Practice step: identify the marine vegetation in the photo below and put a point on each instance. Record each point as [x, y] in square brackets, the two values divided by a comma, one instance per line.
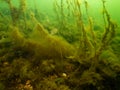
[69, 53]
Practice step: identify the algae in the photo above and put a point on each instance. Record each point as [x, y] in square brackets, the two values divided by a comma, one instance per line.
[69, 53]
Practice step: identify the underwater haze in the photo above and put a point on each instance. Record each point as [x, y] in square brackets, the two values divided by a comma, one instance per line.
[59, 45]
[95, 7]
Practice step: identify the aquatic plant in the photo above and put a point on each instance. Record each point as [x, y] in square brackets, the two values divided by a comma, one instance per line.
[32, 58]
[16, 12]
[22, 10]
[107, 36]
[90, 50]
[13, 11]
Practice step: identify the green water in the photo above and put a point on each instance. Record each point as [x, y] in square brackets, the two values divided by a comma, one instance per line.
[95, 7]
[59, 45]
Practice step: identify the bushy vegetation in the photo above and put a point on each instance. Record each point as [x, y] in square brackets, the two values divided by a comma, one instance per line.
[65, 54]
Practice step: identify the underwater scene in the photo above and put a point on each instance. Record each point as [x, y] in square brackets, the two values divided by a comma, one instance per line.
[59, 45]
